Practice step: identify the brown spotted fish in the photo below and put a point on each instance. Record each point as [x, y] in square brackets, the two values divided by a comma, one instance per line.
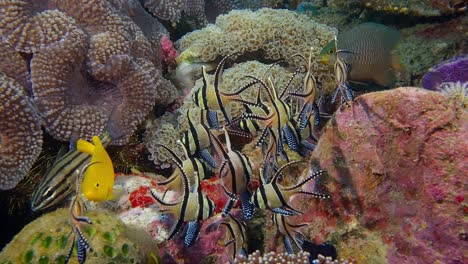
[369, 53]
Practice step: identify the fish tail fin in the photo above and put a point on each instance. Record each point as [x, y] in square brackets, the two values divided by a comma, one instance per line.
[85, 146]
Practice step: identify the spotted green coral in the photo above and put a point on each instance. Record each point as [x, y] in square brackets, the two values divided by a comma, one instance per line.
[45, 240]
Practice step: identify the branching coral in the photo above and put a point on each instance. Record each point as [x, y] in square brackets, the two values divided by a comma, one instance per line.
[20, 133]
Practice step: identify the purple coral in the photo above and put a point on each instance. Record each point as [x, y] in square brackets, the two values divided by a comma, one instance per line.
[452, 70]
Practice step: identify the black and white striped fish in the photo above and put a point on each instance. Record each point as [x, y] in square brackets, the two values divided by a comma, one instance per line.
[191, 207]
[209, 97]
[235, 173]
[289, 232]
[275, 197]
[236, 234]
[308, 94]
[59, 181]
[197, 140]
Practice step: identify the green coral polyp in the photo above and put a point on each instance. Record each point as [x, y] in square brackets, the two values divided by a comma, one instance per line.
[28, 256]
[89, 230]
[36, 238]
[110, 251]
[47, 241]
[44, 260]
[109, 237]
[62, 242]
[125, 250]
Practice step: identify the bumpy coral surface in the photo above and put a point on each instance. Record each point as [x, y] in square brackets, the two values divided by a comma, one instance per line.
[412, 7]
[92, 67]
[271, 34]
[46, 240]
[396, 163]
[20, 133]
[273, 257]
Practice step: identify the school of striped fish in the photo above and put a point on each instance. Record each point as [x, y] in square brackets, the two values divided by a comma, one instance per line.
[289, 117]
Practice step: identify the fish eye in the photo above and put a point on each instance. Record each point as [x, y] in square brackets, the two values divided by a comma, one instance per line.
[97, 184]
[330, 51]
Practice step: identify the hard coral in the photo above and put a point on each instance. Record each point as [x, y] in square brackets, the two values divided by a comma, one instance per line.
[14, 66]
[46, 240]
[20, 133]
[411, 7]
[270, 34]
[394, 174]
[273, 258]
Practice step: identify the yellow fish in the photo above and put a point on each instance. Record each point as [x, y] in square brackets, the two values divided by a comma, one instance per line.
[98, 179]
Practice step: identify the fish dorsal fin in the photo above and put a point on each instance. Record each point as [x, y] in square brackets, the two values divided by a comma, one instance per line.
[228, 140]
[271, 88]
[280, 170]
[85, 146]
[219, 149]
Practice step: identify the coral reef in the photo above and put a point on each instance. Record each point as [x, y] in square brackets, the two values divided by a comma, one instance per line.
[411, 7]
[168, 129]
[110, 79]
[172, 9]
[273, 257]
[20, 133]
[396, 176]
[452, 70]
[45, 240]
[271, 34]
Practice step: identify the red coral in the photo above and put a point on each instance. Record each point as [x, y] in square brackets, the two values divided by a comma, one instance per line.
[169, 53]
[140, 197]
[215, 192]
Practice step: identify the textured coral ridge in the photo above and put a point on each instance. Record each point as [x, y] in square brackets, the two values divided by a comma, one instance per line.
[413, 7]
[273, 34]
[397, 170]
[92, 66]
[20, 133]
[45, 240]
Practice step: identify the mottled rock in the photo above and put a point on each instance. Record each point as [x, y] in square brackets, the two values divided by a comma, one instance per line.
[396, 163]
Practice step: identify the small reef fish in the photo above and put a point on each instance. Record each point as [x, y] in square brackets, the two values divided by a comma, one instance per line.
[76, 216]
[236, 237]
[235, 173]
[309, 92]
[278, 118]
[197, 139]
[274, 196]
[59, 180]
[297, 139]
[191, 207]
[195, 170]
[341, 78]
[289, 232]
[369, 53]
[250, 126]
[98, 180]
[210, 98]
